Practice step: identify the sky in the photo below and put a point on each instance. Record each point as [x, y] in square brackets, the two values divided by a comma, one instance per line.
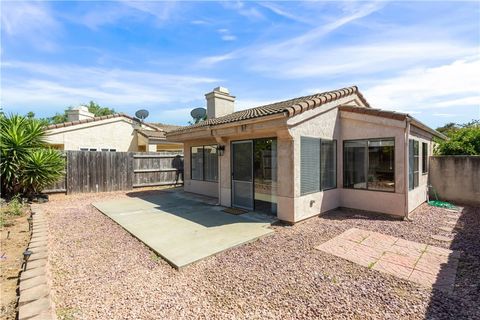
[421, 58]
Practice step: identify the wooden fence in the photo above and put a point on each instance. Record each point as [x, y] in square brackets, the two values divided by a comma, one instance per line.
[89, 171]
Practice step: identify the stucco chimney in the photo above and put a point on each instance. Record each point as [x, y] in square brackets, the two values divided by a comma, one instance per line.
[219, 103]
[79, 113]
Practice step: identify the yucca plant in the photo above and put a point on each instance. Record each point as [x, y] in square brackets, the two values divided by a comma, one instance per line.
[26, 164]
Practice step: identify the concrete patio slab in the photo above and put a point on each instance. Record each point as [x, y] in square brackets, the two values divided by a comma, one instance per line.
[183, 228]
[417, 262]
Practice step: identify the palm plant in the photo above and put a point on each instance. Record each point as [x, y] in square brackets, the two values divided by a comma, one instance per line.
[26, 165]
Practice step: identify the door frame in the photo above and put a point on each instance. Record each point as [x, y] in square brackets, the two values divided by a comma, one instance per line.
[251, 141]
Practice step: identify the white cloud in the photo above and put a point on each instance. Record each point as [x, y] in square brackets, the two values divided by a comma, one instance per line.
[451, 85]
[285, 13]
[229, 37]
[293, 48]
[53, 87]
[32, 22]
[244, 9]
[226, 34]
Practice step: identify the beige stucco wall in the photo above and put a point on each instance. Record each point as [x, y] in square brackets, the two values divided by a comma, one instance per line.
[456, 178]
[328, 123]
[418, 195]
[114, 133]
[323, 123]
[359, 126]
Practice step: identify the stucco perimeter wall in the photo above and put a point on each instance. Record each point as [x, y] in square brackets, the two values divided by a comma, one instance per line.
[206, 188]
[115, 133]
[356, 126]
[418, 195]
[456, 178]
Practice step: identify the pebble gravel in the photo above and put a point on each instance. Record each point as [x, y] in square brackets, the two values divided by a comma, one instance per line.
[100, 271]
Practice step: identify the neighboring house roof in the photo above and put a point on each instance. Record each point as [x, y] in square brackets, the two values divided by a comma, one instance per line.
[392, 115]
[116, 115]
[165, 127]
[289, 107]
[152, 134]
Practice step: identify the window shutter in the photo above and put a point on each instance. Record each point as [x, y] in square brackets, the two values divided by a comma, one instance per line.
[309, 165]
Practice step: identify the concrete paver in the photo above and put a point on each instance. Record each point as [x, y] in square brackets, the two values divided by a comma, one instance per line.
[446, 228]
[417, 262]
[441, 238]
[36, 264]
[38, 255]
[33, 282]
[181, 228]
[33, 308]
[34, 293]
[32, 273]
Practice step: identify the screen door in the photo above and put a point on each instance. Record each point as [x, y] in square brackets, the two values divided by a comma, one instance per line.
[242, 174]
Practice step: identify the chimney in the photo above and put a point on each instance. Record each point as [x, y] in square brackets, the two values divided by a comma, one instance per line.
[79, 113]
[219, 103]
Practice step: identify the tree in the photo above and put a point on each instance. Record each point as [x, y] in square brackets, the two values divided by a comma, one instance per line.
[98, 110]
[451, 126]
[197, 120]
[463, 139]
[27, 166]
[93, 107]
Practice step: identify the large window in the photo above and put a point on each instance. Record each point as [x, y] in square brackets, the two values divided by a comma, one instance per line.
[369, 164]
[317, 165]
[204, 163]
[424, 157]
[413, 164]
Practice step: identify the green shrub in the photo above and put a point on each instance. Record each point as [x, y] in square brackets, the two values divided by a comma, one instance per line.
[26, 165]
[462, 141]
[15, 207]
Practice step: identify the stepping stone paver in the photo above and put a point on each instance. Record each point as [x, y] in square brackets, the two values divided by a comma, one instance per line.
[36, 264]
[39, 238]
[446, 229]
[33, 308]
[28, 274]
[38, 255]
[393, 269]
[38, 248]
[417, 262]
[32, 282]
[454, 217]
[441, 238]
[33, 293]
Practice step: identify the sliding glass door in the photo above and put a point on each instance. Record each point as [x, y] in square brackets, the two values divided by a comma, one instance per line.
[265, 175]
[242, 174]
[254, 175]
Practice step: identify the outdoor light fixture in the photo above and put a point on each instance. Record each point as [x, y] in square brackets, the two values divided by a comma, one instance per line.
[26, 256]
[29, 219]
[221, 150]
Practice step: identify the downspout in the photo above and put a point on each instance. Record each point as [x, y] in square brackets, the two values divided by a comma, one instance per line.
[407, 168]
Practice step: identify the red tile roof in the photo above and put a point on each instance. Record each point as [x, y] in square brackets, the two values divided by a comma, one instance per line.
[94, 119]
[288, 107]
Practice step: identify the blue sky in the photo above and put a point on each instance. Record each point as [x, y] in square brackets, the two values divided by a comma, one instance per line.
[417, 57]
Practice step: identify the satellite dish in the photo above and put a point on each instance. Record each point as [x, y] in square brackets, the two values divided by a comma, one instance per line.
[198, 113]
[141, 114]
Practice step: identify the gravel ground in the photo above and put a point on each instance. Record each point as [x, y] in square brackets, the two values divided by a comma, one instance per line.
[101, 272]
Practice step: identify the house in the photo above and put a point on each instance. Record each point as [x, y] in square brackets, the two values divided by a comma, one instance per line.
[116, 132]
[299, 158]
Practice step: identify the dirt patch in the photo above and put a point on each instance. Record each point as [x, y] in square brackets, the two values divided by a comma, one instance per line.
[15, 237]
